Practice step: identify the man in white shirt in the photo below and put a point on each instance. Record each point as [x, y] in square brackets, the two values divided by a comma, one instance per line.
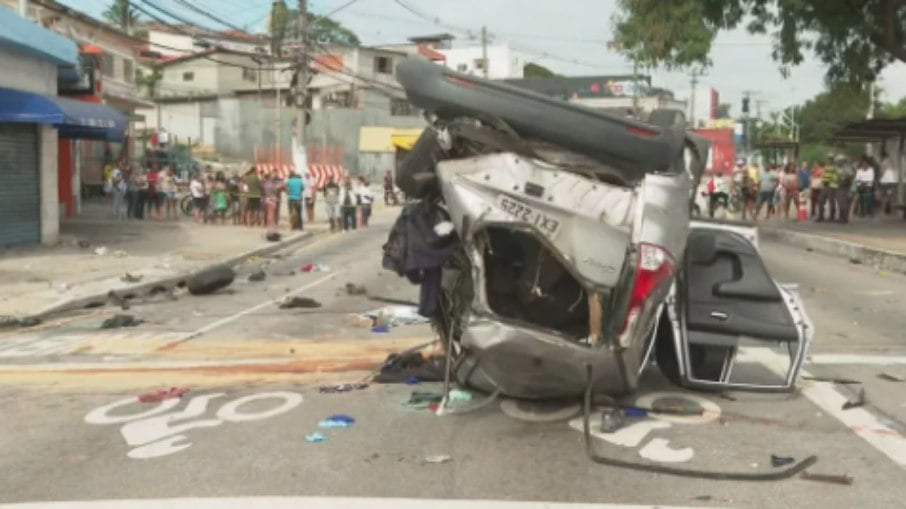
[865, 187]
[888, 183]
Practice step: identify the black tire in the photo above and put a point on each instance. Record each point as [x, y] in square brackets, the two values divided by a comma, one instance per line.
[187, 205]
[210, 280]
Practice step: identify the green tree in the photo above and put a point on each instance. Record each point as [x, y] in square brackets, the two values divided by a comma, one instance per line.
[149, 78]
[320, 29]
[121, 14]
[855, 38]
[893, 110]
[533, 70]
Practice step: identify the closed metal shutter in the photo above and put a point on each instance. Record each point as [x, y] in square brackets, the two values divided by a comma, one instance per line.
[20, 195]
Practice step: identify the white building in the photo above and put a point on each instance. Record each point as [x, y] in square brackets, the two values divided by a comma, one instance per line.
[170, 41]
[504, 62]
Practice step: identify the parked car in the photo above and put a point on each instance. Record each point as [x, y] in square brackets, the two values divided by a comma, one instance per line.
[573, 262]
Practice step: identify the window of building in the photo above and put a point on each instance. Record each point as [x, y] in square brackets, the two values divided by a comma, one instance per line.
[383, 65]
[107, 64]
[128, 71]
[479, 64]
[402, 108]
[188, 76]
[462, 67]
[249, 74]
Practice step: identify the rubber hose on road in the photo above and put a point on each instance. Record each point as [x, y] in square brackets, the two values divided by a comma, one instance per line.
[774, 475]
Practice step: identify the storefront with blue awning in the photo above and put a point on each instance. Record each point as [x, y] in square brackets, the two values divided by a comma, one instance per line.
[35, 125]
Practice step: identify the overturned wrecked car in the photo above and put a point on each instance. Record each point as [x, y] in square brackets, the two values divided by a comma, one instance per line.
[555, 252]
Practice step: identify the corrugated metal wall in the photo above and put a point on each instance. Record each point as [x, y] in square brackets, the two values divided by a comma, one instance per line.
[20, 195]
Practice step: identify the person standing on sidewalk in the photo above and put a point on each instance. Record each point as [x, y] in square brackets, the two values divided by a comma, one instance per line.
[141, 192]
[865, 188]
[271, 186]
[816, 185]
[366, 195]
[153, 198]
[831, 181]
[389, 194]
[310, 194]
[888, 184]
[349, 203]
[332, 203]
[252, 211]
[167, 186]
[790, 191]
[199, 204]
[294, 188]
[846, 176]
[118, 188]
[766, 189]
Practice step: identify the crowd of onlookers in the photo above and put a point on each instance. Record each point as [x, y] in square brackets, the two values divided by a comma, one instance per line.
[829, 190]
[251, 199]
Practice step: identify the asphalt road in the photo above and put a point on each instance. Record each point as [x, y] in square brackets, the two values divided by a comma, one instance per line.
[71, 430]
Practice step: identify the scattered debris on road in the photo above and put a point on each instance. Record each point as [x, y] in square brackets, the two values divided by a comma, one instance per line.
[438, 458]
[118, 300]
[781, 461]
[334, 389]
[858, 402]
[354, 289]
[211, 280]
[891, 378]
[131, 278]
[83, 244]
[337, 421]
[273, 236]
[119, 253]
[158, 396]
[394, 316]
[257, 276]
[299, 302]
[422, 400]
[315, 267]
[380, 329]
[120, 321]
[29, 321]
[828, 478]
[611, 420]
[8, 321]
[400, 368]
[855, 261]
[100, 250]
[458, 396]
[315, 438]
[833, 380]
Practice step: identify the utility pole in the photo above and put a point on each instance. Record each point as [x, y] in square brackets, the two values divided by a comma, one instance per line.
[301, 95]
[635, 88]
[484, 51]
[23, 8]
[695, 76]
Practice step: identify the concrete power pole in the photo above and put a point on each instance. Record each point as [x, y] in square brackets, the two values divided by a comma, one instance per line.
[692, 98]
[23, 8]
[484, 51]
[302, 79]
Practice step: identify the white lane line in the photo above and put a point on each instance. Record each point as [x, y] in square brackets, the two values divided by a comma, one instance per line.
[862, 422]
[841, 358]
[322, 503]
[223, 321]
[139, 365]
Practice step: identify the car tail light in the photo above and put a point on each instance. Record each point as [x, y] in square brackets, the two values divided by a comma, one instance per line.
[655, 266]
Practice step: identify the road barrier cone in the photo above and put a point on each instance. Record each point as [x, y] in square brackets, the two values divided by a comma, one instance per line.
[803, 210]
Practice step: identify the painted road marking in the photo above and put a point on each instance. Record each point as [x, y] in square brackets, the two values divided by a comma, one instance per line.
[39, 346]
[658, 449]
[865, 359]
[323, 503]
[154, 433]
[229, 319]
[862, 422]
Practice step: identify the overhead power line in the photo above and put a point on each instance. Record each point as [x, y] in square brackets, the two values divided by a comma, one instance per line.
[208, 15]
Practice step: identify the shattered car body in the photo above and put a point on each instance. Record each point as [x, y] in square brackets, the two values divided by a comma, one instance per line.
[575, 263]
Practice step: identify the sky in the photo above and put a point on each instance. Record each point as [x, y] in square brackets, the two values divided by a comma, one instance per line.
[573, 33]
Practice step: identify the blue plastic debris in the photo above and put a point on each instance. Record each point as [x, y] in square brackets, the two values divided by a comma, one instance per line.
[413, 380]
[380, 329]
[635, 412]
[460, 396]
[315, 437]
[337, 421]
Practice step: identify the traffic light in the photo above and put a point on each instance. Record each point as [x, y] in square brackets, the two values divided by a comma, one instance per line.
[745, 105]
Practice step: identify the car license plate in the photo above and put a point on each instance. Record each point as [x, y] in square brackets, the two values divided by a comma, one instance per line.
[547, 224]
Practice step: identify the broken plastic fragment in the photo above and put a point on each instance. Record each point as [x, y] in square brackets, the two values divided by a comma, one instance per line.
[459, 396]
[315, 437]
[443, 228]
[438, 458]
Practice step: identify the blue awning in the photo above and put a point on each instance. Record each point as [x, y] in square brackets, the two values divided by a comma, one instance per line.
[74, 119]
[32, 39]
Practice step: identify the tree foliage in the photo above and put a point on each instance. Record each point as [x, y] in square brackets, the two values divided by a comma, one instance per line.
[320, 29]
[533, 70]
[855, 38]
[121, 14]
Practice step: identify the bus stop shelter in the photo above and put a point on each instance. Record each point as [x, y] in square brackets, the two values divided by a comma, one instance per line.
[780, 149]
[885, 131]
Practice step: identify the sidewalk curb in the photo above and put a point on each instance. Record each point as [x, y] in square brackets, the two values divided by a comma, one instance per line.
[145, 286]
[856, 253]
